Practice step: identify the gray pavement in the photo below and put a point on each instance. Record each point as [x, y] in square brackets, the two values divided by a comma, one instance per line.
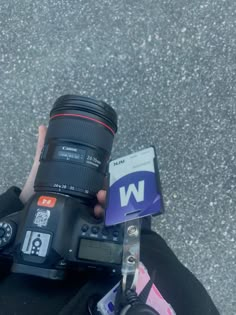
[168, 68]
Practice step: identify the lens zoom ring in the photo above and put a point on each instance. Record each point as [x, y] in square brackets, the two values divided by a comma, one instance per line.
[69, 174]
[84, 131]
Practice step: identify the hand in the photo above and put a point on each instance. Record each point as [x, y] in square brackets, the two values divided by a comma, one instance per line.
[99, 208]
[28, 189]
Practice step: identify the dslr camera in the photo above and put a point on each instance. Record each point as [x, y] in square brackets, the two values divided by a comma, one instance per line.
[57, 230]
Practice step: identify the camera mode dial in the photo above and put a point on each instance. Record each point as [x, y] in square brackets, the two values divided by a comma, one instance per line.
[7, 232]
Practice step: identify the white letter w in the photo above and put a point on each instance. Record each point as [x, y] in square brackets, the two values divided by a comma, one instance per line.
[138, 193]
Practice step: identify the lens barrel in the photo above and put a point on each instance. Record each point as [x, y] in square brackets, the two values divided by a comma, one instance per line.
[77, 147]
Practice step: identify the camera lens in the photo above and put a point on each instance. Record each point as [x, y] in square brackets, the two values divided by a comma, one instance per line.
[77, 147]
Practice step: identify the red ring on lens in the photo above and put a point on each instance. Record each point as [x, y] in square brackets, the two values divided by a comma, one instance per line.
[86, 117]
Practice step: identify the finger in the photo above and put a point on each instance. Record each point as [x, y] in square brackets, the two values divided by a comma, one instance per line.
[98, 211]
[41, 138]
[101, 195]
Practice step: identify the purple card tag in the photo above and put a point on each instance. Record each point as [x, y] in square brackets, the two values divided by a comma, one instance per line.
[135, 190]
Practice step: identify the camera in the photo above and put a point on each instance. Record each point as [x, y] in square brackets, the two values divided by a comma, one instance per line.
[57, 231]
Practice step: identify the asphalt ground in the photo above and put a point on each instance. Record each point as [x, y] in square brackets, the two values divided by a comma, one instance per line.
[168, 68]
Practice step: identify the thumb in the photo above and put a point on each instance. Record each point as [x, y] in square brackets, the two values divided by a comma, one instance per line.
[41, 138]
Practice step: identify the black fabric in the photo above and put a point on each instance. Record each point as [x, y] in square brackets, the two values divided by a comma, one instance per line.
[28, 295]
[10, 202]
[97, 288]
[23, 295]
[176, 283]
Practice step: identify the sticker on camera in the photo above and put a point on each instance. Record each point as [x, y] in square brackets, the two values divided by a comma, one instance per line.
[41, 217]
[46, 201]
[135, 189]
[36, 243]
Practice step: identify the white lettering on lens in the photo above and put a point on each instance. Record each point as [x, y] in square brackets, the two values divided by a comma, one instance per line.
[69, 149]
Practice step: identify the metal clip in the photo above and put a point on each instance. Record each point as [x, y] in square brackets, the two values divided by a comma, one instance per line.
[131, 254]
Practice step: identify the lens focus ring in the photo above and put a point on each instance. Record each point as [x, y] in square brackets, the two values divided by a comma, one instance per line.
[79, 130]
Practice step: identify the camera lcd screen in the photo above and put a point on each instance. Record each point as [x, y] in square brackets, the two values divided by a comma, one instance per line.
[100, 251]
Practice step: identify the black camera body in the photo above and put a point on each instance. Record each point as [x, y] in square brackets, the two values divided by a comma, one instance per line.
[56, 233]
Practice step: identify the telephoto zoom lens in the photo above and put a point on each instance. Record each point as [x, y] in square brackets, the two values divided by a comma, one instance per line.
[77, 147]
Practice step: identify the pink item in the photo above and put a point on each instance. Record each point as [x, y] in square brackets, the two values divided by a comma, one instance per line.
[155, 299]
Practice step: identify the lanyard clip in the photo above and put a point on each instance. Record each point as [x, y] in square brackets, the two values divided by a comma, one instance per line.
[131, 255]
